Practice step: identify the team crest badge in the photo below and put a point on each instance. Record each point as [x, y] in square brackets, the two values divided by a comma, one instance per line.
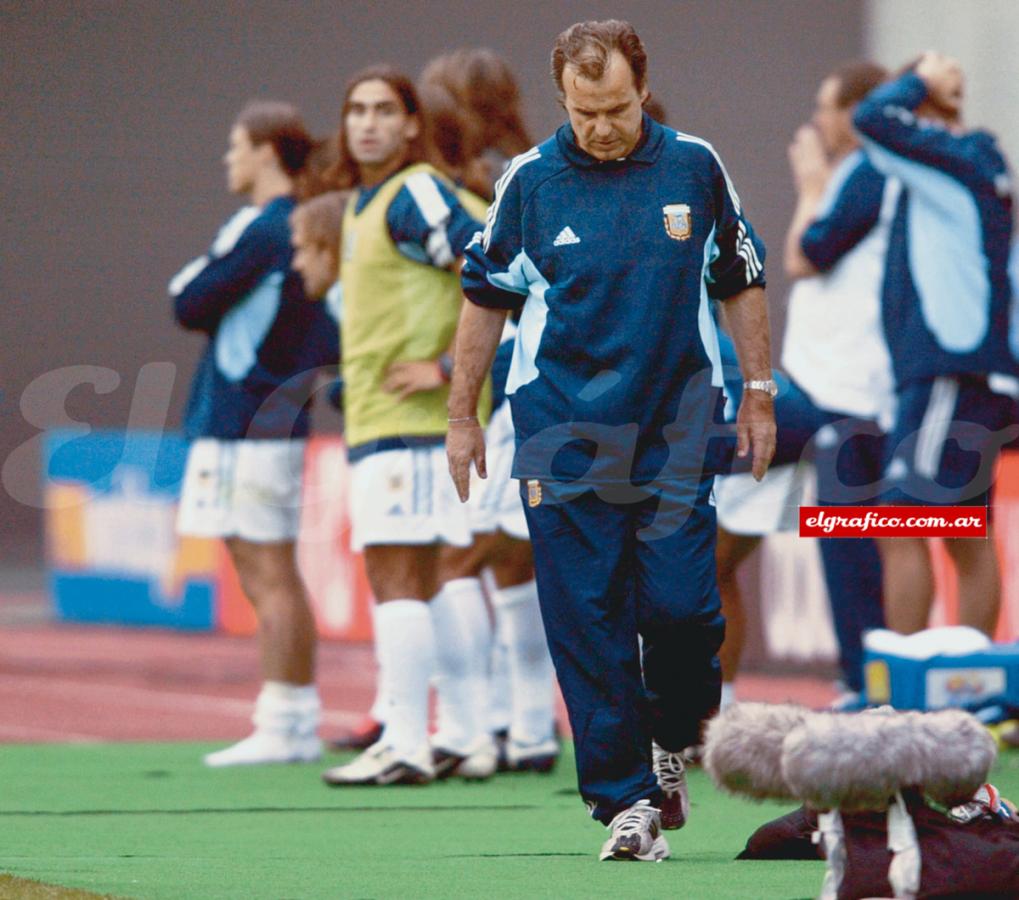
[677, 221]
[533, 493]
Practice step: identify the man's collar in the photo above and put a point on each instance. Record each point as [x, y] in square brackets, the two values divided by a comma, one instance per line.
[649, 147]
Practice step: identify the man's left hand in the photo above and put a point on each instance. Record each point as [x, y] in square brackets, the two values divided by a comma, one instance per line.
[944, 79]
[755, 430]
[406, 378]
[808, 161]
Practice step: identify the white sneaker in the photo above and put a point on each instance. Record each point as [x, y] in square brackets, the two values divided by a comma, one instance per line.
[478, 763]
[379, 764]
[540, 757]
[636, 835]
[671, 774]
[481, 762]
[266, 747]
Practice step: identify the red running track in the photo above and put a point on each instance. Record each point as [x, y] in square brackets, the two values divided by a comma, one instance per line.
[63, 683]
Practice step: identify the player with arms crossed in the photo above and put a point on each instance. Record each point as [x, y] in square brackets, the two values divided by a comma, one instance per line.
[473, 109]
[248, 416]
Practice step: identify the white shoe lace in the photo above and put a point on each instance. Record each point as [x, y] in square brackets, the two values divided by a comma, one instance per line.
[669, 769]
[638, 817]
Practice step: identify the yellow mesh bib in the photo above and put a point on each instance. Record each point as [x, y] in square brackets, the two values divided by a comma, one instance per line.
[394, 310]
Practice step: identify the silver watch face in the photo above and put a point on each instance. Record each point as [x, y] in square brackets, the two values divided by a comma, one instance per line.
[769, 386]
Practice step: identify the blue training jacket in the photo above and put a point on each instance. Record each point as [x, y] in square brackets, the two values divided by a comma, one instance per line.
[946, 294]
[614, 264]
[267, 341]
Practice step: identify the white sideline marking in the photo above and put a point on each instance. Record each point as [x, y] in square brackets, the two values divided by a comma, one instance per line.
[132, 695]
[31, 733]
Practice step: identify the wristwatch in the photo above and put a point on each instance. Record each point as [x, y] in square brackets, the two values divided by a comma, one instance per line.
[769, 386]
[445, 363]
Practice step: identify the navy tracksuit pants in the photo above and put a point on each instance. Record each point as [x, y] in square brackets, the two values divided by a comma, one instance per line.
[849, 458]
[606, 573]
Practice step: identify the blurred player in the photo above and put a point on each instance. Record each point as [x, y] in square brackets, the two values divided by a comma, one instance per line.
[501, 542]
[527, 735]
[484, 87]
[945, 306]
[748, 509]
[316, 177]
[841, 386]
[403, 232]
[461, 743]
[248, 418]
[316, 228]
[315, 235]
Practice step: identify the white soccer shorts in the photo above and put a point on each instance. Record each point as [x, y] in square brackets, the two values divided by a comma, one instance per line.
[746, 506]
[406, 497]
[495, 503]
[250, 489]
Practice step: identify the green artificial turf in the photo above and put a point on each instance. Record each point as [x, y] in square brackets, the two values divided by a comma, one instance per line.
[148, 821]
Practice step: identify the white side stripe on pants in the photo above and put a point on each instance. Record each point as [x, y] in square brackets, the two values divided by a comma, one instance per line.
[937, 419]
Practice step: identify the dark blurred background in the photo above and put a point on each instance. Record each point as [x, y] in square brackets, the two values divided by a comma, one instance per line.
[115, 116]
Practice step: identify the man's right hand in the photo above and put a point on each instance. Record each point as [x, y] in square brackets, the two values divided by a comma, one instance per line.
[755, 431]
[465, 444]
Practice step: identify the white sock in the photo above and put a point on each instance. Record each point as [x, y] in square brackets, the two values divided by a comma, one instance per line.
[463, 634]
[288, 708]
[728, 694]
[405, 644]
[500, 690]
[378, 710]
[531, 674]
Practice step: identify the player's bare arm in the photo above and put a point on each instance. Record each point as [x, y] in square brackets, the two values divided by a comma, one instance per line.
[810, 171]
[411, 376]
[746, 315]
[477, 339]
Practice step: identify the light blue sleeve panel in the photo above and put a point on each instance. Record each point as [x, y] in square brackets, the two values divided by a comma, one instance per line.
[334, 302]
[947, 177]
[427, 222]
[243, 254]
[245, 326]
[1013, 325]
[887, 118]
[496, 271]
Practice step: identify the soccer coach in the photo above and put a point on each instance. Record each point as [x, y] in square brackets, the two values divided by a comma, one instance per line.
[613, 237]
